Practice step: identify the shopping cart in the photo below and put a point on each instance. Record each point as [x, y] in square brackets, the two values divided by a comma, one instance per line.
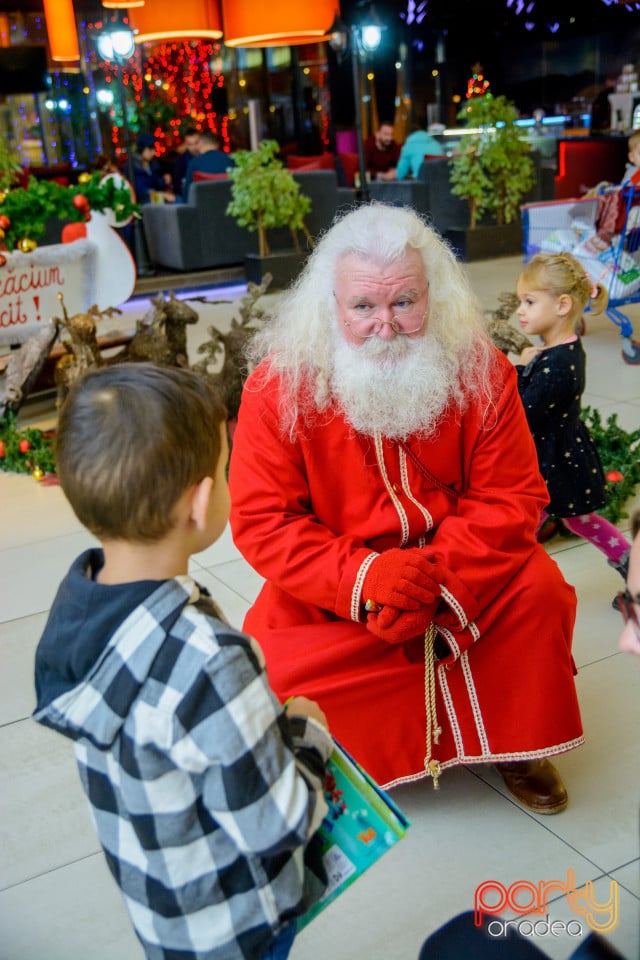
[610, 256]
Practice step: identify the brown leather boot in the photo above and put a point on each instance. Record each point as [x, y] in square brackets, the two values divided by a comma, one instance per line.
[536, 784]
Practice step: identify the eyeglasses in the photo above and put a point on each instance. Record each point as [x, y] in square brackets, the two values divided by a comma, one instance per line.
[629, 610]
[366, 327]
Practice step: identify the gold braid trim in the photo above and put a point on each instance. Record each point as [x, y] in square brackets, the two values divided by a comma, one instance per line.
[433, 729]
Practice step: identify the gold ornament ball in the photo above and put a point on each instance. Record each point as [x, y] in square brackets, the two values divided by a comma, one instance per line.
[2, 234]
[26, 245]
[84, 178]
[3, 196]
[37, 474]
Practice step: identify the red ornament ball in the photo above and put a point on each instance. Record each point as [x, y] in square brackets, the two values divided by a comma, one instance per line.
[80, 202]
[2, 450]
[5, 223]
[614, 476]
[23, 446]
[73, 231]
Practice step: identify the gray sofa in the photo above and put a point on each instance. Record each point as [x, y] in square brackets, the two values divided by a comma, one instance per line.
[198, 234]
[431, 193]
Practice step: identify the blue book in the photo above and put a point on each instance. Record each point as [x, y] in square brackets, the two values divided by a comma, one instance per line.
[361, 825]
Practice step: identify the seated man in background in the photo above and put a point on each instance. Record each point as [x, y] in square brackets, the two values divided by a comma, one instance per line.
[190, 147]
[381, 153]
[209, 159]
[417, 144]
[385, 484]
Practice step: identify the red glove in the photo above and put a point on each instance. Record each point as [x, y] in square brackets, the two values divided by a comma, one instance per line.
[406, 579]
[399, 626]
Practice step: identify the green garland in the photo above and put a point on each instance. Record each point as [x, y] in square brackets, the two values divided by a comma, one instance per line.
[27, 209]
[39, 455]
[619, 453]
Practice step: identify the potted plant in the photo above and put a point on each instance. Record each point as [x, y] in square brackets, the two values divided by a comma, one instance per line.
[265, 196]
[492, 173]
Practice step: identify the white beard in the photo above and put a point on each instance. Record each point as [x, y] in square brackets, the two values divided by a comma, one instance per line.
[393, 387]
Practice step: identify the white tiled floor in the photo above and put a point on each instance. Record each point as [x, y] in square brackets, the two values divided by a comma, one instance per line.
[57, 901]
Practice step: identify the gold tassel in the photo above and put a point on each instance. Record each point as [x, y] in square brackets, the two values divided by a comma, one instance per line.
[433, 729]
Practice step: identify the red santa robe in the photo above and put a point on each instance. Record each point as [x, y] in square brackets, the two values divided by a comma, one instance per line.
[311, 515]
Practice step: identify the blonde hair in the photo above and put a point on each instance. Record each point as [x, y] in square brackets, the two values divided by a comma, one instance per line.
[560, 274]
[633, 140]
[299, 339]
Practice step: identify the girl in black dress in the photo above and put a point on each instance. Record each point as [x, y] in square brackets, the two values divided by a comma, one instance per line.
[553, 290]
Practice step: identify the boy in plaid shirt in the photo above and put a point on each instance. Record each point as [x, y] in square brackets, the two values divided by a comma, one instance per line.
[206, 795]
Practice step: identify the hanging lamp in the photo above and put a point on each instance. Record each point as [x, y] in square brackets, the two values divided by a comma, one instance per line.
[62, 31]
[122, 4]
[172, 19]
[254, 23]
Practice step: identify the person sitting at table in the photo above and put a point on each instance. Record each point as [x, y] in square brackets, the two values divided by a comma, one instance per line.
[417, 144]
[209, 159]
[189, 148]
[381, 153]
[147, 177]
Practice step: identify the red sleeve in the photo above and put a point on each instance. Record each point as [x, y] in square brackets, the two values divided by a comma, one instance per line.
[272, 516]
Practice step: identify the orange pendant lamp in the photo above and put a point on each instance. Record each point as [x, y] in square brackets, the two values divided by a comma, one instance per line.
[172, 19]
[61, 30]
[278, 23]
[122, 4]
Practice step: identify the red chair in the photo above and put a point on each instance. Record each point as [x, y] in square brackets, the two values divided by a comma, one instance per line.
[199, 175]
[321, 161]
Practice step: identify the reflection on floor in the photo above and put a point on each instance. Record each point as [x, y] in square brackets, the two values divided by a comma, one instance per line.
[57, 900]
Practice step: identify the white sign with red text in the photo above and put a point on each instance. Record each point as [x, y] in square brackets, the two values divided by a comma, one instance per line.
[98, 269]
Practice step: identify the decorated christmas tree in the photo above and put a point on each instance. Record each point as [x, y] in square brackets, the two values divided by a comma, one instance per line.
[477, 84]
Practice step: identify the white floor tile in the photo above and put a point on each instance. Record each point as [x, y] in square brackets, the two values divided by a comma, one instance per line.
[239, 577]
[18, 641]
[44, 816]
[629, 877]
[601, 776]
[30, 575]
[73, 913]
[48, 512]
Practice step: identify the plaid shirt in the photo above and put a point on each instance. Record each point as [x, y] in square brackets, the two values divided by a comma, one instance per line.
[204, 793]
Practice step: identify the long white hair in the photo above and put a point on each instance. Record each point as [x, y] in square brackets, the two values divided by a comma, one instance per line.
[299, 340]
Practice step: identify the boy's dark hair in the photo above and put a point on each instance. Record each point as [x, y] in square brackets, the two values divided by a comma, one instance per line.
[132, 438]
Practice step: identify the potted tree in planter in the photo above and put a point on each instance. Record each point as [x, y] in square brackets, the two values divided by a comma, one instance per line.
[493, 173]
[266, 196]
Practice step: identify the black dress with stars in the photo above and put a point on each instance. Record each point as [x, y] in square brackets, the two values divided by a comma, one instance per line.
[551, 388]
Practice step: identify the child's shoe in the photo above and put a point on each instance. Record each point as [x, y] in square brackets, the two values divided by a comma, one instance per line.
[630, 351]
[622, 566]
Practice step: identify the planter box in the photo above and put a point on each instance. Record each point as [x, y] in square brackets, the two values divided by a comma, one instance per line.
[284, 266]
[486, 241]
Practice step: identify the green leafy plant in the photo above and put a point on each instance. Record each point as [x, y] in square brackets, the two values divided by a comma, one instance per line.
[494, 171]
[27, 209]
[10, 167]
[265, 195]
